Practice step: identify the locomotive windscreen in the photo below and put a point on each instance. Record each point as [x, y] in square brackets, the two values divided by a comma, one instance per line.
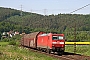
[57, 37]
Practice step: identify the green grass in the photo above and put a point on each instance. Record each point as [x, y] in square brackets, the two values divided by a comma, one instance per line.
[16, 53]
[80, 49]
[10, 52]
[3, 43]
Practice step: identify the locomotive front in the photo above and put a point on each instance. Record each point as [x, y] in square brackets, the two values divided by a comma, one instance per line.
[58, 43]
[51, 42]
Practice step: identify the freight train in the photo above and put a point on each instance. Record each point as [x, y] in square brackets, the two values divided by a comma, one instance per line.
[48, 42]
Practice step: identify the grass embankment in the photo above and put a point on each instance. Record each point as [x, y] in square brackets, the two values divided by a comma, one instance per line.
[80, 49]
[8, 52]
[3, 43]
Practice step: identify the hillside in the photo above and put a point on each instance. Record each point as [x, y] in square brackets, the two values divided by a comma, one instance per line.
[10, 19]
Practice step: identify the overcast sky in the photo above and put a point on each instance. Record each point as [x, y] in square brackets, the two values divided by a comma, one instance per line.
[48, 6]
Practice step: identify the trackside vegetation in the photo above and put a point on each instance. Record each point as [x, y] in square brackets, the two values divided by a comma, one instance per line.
[80, 49]
[9, 52]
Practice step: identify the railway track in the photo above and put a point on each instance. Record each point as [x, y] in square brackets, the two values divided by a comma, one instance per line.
[70, 56]
[65, 56]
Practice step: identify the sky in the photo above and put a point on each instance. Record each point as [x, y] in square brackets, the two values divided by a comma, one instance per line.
[48, 7]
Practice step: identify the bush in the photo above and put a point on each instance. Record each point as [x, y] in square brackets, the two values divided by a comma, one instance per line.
[5, 40]
[12, 43]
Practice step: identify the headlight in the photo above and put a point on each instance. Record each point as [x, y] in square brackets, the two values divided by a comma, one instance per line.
[61, 42]
[54, 42]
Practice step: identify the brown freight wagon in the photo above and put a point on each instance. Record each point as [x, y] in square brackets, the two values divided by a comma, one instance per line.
[30, 40]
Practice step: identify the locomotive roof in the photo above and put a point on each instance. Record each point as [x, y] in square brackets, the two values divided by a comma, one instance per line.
[43, 34]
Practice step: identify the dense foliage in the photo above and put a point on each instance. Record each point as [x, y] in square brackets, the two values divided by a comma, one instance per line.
[11, 19]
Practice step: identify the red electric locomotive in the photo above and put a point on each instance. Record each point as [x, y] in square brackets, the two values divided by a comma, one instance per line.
[51, 42]
[44, 41]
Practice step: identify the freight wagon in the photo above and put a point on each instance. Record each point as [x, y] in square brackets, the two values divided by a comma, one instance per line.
[48, 42]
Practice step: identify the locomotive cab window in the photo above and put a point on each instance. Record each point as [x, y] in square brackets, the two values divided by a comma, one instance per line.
[57, 37]
[60, 37]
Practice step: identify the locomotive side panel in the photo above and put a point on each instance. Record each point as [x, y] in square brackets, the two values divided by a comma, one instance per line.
[42, 41]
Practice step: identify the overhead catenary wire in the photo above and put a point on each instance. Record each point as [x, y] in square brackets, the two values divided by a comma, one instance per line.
[80, 8]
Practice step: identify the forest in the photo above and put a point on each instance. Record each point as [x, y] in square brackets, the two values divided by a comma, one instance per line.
[68, 24]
